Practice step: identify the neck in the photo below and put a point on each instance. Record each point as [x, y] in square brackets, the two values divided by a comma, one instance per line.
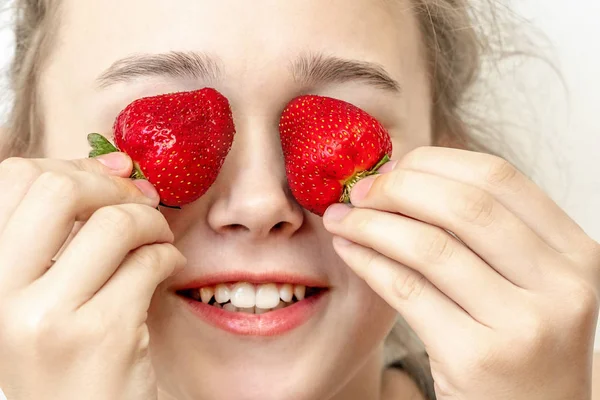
[366, 383]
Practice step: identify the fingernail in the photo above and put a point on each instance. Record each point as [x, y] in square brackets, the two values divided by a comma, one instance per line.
[387, 167]
[337, 212]
[115, 161]
[362, 187]
[146, 188]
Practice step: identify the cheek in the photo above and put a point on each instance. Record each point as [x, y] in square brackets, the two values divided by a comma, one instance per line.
[366, 318]
[404, 141]
[66, 144]
[374, 316]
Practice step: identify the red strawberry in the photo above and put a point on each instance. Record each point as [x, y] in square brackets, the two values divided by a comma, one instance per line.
[178, 141]
[328, 146]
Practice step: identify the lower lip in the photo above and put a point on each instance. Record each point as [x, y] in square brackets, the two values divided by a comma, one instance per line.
[271, 323]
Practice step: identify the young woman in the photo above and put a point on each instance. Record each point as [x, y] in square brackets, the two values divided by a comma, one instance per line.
[497, 282]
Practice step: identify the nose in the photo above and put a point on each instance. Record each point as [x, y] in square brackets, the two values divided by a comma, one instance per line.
[252, 195]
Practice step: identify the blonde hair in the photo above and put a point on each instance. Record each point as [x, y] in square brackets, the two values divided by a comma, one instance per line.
[458, 36]
[33, 33]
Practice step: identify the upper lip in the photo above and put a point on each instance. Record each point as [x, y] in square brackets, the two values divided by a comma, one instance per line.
[250, 277]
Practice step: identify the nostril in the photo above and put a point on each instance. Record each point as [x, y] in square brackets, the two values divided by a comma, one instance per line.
[279, 227]
[234, 228]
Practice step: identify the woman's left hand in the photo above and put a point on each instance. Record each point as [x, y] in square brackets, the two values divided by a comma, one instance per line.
[497, 281]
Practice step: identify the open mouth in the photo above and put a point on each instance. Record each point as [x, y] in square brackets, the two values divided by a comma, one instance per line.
[250, 298]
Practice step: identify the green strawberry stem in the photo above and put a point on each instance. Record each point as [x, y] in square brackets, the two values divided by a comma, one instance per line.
[349, 184]
[100, 145]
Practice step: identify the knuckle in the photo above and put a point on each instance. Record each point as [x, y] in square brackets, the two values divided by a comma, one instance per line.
[36, 327]
[532, 335]
[20, 170]
[592, 262]
[389, 184]
[590, 250]
[172, 253]
[361, 220]
[114, 220]
[156, 260]
[19, 167]
[95, 327]
[143, 210]
[476, 207]
[501, 172]
[44, 332]
[143, 341]
[57, 185]
[583, 302]
[373, 260]
[89, 165]
[125, 189]
[151, 214]
[10, 163]
[594, 251]
[435, 247]
[409, 286]
[148, 256]
[415, 155]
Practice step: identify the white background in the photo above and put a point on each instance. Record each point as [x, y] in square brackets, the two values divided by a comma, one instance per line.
[565, 144]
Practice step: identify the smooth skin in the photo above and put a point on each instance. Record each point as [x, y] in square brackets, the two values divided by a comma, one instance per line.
[516, 273]
[248, 220]
[81, 328]
[52, 344]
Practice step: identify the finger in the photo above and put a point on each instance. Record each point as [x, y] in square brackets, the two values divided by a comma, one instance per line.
[100, 247]
[43, 220]
[511, 187]
[116, 164]
[472, 214]
[76, 228]
[131, 288]
[433, 253]
[18, 174]
[428, 311]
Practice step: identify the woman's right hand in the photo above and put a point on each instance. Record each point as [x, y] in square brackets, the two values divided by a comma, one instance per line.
[76, 327]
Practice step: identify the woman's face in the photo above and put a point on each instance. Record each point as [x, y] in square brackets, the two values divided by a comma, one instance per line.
[248, 226]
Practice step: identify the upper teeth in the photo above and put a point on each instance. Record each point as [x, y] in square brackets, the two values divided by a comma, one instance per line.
[206, 294]
[247, 295]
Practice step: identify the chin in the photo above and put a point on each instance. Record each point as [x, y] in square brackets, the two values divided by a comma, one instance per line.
[247, 380]
[199, 356]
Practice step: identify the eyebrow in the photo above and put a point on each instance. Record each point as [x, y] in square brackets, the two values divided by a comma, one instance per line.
[306, 69]
[318, 68]
[175, 64]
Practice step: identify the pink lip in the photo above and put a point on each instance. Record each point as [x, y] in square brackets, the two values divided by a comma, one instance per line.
[271, 323]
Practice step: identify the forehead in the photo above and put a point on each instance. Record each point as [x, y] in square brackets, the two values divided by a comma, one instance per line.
[257, 34]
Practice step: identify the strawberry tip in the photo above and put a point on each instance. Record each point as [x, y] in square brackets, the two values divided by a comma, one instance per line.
[166, 206]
